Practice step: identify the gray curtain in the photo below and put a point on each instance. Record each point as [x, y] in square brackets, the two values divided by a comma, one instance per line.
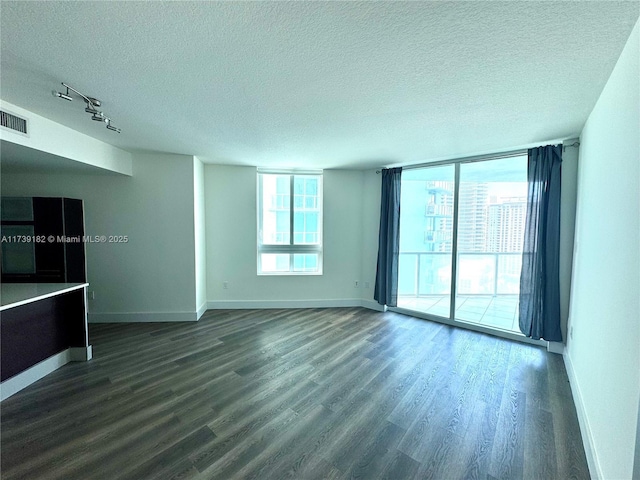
[386, 290]
[540, 276]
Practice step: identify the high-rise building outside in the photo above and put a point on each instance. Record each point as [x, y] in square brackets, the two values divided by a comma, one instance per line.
[438, 231]
[506, 219]
[472, 217]
[486, 224]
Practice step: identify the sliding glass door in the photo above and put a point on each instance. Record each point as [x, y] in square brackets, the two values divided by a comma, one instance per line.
[491, 215]
[426, 239]
[474, 213]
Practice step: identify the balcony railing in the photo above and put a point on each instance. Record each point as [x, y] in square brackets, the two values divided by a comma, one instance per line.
[479, 273]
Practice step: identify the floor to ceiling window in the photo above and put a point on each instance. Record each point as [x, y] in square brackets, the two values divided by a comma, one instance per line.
[426, 239]
[472, 212]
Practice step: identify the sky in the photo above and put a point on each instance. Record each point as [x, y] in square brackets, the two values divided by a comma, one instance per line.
[507, 177]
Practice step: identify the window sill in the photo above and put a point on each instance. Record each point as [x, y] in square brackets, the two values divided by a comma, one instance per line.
[289, 274]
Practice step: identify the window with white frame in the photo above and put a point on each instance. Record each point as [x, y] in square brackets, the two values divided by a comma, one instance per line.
[289, 223]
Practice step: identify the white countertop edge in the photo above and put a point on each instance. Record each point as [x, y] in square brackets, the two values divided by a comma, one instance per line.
[43, 296]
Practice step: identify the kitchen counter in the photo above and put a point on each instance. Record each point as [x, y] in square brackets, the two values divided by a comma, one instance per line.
[16, 294]
[43, 326]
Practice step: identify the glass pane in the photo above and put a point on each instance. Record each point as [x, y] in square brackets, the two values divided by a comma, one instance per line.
[435, 274]
[476, 274]
[17, 208]
[426, 239]
[18, 257]
[275, 209]
[492, 212]
[509, 267]
[274, 262]
[306, 218]
[407, 280]
[307, 262]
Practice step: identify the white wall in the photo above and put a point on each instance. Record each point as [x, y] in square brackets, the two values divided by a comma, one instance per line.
[603, 353]
[51, 137]
[152, 277]
[371, 193]
[567, 229]
[200, 240]
[231, 243]
[636, 462]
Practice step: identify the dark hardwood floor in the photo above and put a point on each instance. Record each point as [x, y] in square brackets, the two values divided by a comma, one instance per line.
[301, 394]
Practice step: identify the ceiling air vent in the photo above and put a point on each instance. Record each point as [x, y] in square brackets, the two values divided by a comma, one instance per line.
[13, 122]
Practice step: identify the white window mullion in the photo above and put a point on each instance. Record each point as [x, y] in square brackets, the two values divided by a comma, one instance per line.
[291, 217]
[454, 242]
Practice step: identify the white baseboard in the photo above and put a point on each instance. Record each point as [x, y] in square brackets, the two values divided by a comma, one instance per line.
[81, 354]
[264, 304]
[142, 317]
[555, 347]
[13, 385]
[373, 305]
[583, 421]
[201, 310]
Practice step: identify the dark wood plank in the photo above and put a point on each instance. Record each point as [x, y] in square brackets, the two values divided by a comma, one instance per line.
[508, 447]
[299, 394]
[539, 441]
[399, 466]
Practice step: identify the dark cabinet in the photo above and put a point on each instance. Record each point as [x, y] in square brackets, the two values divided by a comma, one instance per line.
[42, 240]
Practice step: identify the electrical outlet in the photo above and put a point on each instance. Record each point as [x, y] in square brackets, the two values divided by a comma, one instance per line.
[356, 284]
[225, 285]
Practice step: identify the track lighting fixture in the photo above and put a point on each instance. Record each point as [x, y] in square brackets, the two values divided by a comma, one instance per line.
[92, 106]
[66, 96]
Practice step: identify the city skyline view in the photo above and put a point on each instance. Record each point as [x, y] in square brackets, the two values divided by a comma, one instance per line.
[492, 205]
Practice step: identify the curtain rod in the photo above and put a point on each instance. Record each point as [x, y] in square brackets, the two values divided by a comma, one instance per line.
[477, 158]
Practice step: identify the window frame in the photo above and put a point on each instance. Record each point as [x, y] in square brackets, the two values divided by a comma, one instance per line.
[291, 248]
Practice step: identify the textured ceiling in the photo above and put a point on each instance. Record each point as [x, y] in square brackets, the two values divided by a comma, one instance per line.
[316, 84]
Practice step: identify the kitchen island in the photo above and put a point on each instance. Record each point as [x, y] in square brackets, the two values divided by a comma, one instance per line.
[43, 326]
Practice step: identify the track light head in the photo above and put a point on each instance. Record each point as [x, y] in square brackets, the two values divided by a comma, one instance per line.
[61, 95]
[91, 110]
[111, 127]
[93, 101]
[97, 117]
